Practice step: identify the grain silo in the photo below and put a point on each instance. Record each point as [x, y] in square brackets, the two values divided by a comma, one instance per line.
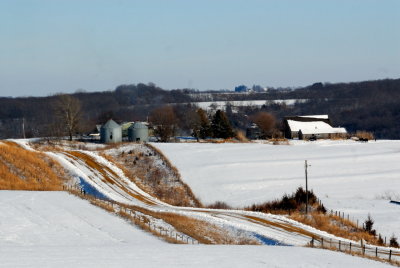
[110, 132]
[138, 132]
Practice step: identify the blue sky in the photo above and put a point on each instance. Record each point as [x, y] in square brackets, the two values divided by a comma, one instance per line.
[65, 45]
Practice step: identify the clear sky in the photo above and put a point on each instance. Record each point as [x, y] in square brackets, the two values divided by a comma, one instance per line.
[49, 46]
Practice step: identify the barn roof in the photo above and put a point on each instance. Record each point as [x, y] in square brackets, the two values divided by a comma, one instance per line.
[320, 116]
[314, 127]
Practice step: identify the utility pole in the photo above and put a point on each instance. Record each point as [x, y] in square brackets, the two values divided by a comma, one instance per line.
[23, 127]
[306, 166]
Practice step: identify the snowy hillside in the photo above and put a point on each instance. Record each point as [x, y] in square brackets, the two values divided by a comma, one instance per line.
[356, 178]
[55, 229]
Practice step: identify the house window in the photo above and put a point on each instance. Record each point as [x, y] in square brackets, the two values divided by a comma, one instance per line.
[110, 136]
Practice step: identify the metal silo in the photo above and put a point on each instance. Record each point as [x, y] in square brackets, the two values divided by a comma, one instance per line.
[138, 132]
[110, 132]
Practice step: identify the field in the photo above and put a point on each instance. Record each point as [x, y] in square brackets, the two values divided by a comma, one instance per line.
[351, 177]
[55, 229]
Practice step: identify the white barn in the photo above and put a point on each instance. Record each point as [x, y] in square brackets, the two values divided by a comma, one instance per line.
[305, 127]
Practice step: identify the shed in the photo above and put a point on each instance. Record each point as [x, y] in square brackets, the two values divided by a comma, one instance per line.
[110, 132]
[138, 132]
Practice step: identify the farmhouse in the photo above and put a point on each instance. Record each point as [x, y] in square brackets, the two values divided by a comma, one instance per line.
[311, 126]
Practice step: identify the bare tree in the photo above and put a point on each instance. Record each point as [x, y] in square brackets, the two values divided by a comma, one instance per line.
[68, 112]
[266, 122]
[164, 121]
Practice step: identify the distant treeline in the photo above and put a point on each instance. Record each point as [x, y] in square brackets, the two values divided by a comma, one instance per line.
[372, 106]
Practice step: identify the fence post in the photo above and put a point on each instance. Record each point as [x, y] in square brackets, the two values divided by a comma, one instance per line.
[376, 252]
[363, 249]
[390, 255]
[339, 245]
[312, 242]
[322, 242]
[350, 247]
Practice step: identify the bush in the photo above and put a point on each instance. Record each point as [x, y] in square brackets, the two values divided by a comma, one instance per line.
[368, 224]
[220, 205]
[393, 242]
[295, 201]
[364, 135]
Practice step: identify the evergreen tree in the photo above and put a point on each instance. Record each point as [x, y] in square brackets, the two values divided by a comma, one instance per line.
[221, 126]
[205, 126]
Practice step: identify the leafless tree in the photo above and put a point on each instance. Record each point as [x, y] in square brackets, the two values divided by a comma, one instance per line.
[164, 122]
[266, 122]
[68, 113]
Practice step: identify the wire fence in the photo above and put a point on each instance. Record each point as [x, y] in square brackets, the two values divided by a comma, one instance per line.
[146, 222]
[137, 217]
[388, 254]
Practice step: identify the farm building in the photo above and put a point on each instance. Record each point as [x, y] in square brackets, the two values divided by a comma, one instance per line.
[311, 126]
[110, 132]
[138, 132]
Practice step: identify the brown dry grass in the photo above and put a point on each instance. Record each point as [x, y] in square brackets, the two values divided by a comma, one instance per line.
[21, 169]
[335, 225]
[364, 135]
[202, 231]
[241, 136]
[140, 169]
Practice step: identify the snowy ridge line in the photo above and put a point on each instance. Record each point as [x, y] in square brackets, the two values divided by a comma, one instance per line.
[239, 223]
[157, 225]
[286, 232]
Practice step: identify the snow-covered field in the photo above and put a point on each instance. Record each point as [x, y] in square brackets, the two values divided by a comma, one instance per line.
[55, 229]
[209, 105]
[355, 178]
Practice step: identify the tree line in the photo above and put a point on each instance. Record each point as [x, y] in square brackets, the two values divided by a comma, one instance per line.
[370, 105]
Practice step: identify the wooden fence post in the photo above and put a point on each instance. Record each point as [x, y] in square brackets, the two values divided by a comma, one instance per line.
[350, 247]
[390, 255]
[322, 242]
[339, 245]
[376, 252]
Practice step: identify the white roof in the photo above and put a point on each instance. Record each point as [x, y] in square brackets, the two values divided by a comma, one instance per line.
[314, 127]
[321, 116]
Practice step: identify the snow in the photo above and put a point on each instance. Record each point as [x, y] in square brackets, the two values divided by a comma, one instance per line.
[55, 229]
[118, 188]
[355, 178]
[321, 116]
[314, 127]
[207, 105]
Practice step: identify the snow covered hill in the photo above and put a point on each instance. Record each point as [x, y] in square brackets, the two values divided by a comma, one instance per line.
[355, 178]
[55, 229]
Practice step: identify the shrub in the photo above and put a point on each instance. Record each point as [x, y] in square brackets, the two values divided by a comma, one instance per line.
[364, 135]
[368, 224]
[220, 205]
[393, 242]
[295, 201]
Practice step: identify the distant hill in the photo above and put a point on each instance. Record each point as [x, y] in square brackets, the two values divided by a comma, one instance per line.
[370, 105]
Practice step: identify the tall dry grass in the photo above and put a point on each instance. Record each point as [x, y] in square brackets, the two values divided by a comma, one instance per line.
[335, 225]
[365, 135]
[202, 231]
[163, 182]
[21, 169]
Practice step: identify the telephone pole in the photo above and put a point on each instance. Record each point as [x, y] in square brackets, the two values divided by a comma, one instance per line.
[306, 166]
[23, 127]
